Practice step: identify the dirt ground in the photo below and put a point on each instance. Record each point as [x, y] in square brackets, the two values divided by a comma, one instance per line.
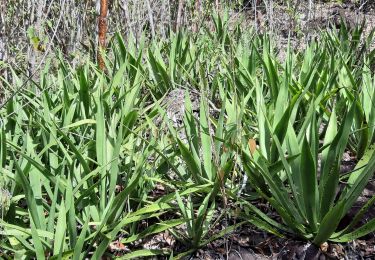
[303, 22]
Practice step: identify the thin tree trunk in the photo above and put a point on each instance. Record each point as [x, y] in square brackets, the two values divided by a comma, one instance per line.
[151, 19]
[3, 50]
[197, 15]
[125, 8]
[102, 26]
[179, 15]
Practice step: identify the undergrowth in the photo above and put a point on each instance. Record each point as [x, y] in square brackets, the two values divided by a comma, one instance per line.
[91, 158]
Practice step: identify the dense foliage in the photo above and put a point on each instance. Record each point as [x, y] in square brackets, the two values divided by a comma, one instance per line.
[88, 157]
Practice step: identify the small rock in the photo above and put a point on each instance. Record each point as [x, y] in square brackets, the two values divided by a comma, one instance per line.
[243, 254]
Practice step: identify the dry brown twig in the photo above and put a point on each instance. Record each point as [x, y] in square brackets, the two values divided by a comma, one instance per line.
[179, 15]
[102, 26]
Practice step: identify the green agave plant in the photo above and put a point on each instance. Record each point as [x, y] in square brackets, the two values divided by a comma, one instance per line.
[307, 197]
[205, 158]
[80, 168]
[74, 155]
[81, 163]
[296, 167]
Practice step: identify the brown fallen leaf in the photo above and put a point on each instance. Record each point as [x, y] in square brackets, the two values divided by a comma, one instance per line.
[252, 145]
[116, 246]
[324, 247]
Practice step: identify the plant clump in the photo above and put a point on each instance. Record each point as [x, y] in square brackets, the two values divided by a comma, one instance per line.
[128, 163]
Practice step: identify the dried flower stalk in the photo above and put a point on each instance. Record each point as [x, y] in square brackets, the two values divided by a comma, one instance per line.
[102, 25]
[198, 6]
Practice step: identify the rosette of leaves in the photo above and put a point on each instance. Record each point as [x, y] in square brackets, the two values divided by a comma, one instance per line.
[312, 201]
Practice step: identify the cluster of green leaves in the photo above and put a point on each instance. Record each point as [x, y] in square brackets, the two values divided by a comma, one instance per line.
[302, 139]
[81, 151]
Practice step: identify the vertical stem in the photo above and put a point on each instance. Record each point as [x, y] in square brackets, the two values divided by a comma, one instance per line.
[165, 17]
[125, 8]
[255, 15]
[179, 15]
[151, 19]
[309, 11]
[217, 5]
[270, 16]
[197, 15]
[102, 26]
[3, 46]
